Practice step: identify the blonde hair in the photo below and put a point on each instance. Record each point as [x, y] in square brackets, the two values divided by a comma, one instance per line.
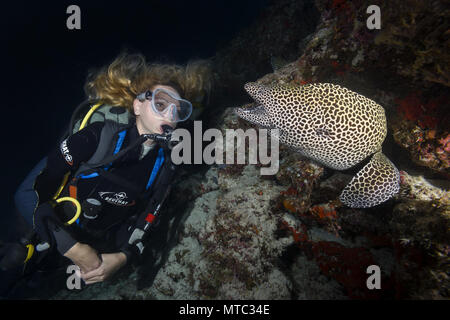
[129, 75]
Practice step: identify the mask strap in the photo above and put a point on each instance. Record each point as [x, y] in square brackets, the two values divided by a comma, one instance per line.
[141, 97]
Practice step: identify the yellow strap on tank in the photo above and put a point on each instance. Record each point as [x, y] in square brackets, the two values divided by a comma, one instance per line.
[88, 115]
[83, 124]
[77, 205]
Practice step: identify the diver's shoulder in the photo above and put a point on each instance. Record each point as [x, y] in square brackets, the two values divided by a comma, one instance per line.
[96, 127]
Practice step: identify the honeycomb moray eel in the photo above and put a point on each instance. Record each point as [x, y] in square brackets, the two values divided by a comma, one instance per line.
[333, 126]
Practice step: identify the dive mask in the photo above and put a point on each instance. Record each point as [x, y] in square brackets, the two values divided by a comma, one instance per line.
[168, 105]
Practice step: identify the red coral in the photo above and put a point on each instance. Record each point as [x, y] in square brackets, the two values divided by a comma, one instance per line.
[416, 108]
[289, 206]
[434, 151]
[340, 5]
[299, 236]
[340, 70]
[334, 64]
[428, 122]
[410, 260]
[445, 143]
[403, 177]
[378, 241]
[291, 191]
[346, 265]
[324, 211]
[410, 107]
[303, 82]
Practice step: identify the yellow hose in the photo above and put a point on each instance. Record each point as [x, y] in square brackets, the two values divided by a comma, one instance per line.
[30, 248]
[77, 205]
[88, 115]
[63, 184]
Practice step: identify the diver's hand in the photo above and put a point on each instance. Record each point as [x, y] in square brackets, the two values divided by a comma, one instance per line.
[84, 256]
[111, 262]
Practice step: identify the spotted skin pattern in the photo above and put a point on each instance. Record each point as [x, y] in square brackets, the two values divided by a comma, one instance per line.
[363, 189]
[334, 126]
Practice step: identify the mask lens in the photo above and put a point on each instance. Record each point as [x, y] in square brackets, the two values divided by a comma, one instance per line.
[170, 106]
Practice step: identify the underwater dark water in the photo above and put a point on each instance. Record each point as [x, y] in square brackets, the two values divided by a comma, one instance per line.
[45, 64]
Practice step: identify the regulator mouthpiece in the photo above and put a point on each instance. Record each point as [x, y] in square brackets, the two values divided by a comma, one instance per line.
[165, 137]
[167, 129]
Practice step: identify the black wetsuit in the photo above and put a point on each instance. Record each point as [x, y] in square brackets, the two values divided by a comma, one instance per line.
[119, 201]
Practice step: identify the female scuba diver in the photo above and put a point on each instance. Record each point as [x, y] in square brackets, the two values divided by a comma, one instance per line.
[118, 175]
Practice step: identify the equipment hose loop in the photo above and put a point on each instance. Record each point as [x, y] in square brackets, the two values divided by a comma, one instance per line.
[77, 205]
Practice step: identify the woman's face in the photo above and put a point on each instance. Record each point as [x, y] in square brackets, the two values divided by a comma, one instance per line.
[147, 121]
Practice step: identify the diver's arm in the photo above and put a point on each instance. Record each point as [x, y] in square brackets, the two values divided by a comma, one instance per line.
[84, 256]
[51, 230]
[75, 149]
[110, 264]
[66, 157]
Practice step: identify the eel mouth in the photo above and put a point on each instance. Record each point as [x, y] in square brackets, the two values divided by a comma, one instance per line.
[251, 107]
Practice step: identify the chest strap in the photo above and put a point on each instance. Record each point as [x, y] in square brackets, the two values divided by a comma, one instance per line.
[158, 163]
